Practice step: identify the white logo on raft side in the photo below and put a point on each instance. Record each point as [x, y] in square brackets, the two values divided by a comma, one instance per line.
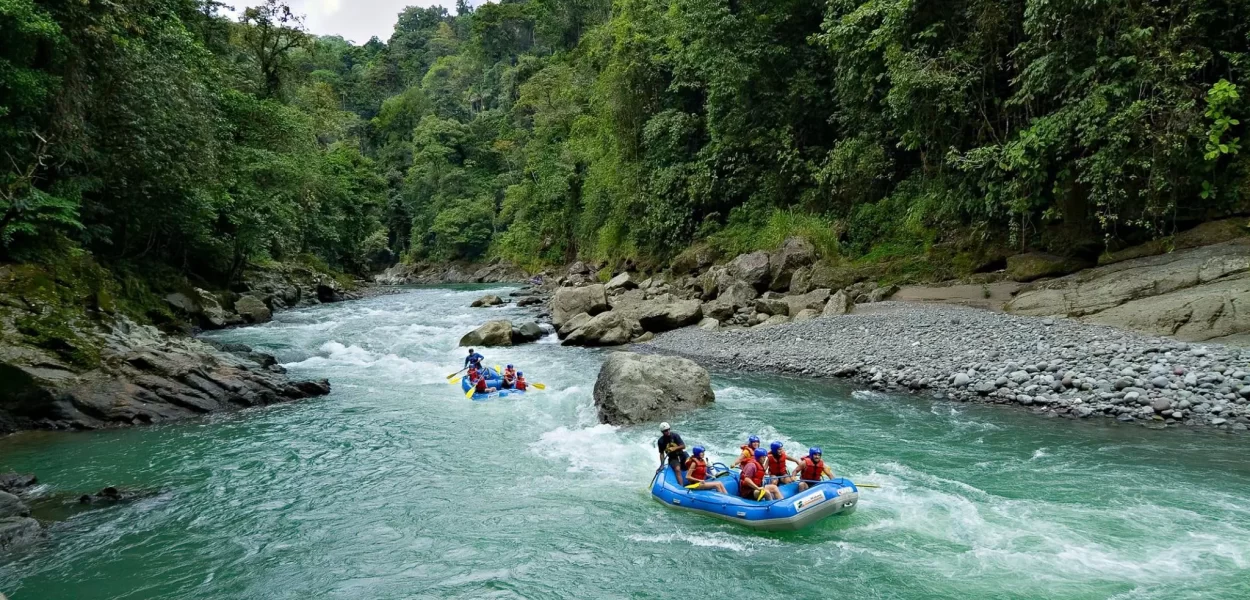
[809, 501]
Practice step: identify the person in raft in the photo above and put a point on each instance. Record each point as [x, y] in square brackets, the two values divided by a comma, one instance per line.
[812, 468]
[479, 385]
[751, 480]
[775, 464]
[521, 385]
[474, 360]
[672, 451]
[748, 451]
[509, 377]
[697, 475]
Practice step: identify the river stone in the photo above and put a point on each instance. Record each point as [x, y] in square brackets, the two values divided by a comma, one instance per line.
[623, 281]
[709, 324]
[492, 333]
[775, 320]
[772, 306]
[752, 268]
[806, 314]
[605, 329]
[13, 482]
[17, 531]
[488, 300]
[252, 309]
[1161, 404]
[738, 295]
[814, 300]
[527, 332]
[795, 253]
[12, 506]
[672, 315]
[572, 324]
[838, 304]
[568, 302]
[960, 380]
[635, 388]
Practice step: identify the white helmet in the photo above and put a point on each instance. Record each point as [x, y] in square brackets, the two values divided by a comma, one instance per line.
[664, 426]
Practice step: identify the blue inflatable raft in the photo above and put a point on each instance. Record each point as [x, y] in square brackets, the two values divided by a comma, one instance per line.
[794, 511]
[495, 382]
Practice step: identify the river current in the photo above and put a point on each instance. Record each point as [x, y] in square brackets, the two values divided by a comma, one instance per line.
[396, 486]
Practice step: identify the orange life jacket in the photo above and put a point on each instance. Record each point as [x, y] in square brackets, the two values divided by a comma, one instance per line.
[777, 463]
[520, 384]
[697, 468]
[509, 374]
[812, 470]
[757, 479]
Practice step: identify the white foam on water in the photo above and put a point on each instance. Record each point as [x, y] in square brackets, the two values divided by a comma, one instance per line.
[1039, 453]
[713, 539]
[600, 450]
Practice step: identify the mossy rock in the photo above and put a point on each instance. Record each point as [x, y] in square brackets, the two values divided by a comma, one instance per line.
[1036, 265]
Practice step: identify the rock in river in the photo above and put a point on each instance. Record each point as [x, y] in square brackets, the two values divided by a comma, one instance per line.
[569, 302]
[488, 300]
[634, 388]
[611, 328]
[492, 333]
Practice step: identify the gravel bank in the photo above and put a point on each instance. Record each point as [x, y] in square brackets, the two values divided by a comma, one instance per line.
[1054, 366]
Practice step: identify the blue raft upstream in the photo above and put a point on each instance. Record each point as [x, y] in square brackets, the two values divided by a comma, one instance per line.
[794, 511]
[495, 382]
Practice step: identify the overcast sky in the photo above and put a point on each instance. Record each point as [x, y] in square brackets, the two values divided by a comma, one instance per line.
[356, 20]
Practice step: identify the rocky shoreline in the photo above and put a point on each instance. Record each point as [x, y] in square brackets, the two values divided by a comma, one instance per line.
[1056, 367]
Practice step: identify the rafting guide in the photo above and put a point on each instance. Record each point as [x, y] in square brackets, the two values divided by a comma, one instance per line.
[672, 449]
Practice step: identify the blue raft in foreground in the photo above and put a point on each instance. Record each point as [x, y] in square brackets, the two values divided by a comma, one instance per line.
[795, 511]
[496, 382]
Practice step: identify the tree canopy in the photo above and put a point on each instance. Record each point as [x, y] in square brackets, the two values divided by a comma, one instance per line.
[547, 130]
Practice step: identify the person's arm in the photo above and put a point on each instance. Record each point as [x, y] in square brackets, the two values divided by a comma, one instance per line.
[747, 480]
[828, 471]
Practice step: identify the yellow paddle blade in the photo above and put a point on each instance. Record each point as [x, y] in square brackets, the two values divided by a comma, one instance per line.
[541, 386]
[759, 495]
[454, 374]
[453, 381]
[469, 394]
[692, 486]
[497, 371]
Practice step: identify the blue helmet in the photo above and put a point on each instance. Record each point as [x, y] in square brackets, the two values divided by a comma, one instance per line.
[510, 366]
[760, 453]
[814, 451]
[775, 446]
[755, 439]
[698, 450]
[520, 374]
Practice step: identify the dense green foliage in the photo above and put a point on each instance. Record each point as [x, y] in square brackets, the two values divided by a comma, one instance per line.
[546, 130]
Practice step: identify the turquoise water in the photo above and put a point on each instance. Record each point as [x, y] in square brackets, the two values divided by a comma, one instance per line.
[395, 486]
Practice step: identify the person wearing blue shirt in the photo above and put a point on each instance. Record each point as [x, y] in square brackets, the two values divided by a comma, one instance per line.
[473, 359]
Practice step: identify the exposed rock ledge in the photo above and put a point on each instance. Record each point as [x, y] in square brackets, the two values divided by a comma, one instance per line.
[142, 376]
[1198, 294]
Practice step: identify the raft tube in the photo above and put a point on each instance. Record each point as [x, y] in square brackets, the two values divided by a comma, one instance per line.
[794, 511]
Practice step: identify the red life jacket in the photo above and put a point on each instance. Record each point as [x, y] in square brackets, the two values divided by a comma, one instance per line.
[520, 384]
[481, 384]
[757, 479]
[697, 468]
[509, 374]
[777, 463]
[812, 470]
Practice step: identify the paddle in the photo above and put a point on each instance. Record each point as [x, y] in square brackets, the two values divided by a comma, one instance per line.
[863, 485]
[541, 386]
[456, 373]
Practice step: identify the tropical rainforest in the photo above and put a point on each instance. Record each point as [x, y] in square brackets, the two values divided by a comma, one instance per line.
[179, 135]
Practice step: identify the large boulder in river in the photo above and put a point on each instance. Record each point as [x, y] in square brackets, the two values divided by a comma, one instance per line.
[1196, 295]
[671, 315]
[487, 300]
[12, 506]
[794, 253]
[492, 333]
[18, 531]
[635, 388]
[570, 301]
[605, 329]
[527, 332]
[571, 325]
[252, 309]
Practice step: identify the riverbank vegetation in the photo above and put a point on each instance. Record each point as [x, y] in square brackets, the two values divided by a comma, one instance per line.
[541, 131]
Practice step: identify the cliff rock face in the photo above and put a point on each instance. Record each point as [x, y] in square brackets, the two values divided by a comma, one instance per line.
[1196, 294]
[71, 359]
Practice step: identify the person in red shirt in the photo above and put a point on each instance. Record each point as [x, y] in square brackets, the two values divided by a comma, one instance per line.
[479, 384]
[812, 468]
[697, 475]
[775, 464]
[751, 480]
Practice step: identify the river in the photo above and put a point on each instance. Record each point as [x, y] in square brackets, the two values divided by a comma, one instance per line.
[396, 486]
